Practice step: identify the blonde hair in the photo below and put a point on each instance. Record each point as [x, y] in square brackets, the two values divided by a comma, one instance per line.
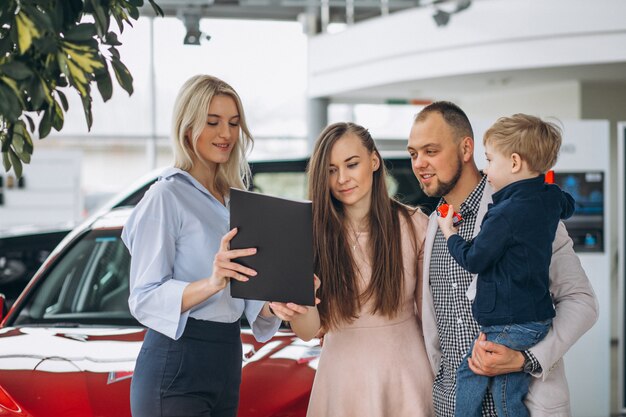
[536, 141]
[190, 116]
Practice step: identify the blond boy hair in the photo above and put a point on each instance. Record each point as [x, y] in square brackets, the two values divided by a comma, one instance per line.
[536, 141]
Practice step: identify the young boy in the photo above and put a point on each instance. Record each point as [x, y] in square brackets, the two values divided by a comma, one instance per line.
[511, 254]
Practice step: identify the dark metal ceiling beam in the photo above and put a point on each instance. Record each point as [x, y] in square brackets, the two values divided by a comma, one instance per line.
[288, 10]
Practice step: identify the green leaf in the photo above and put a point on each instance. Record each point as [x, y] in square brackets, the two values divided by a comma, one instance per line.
[119, 19]
[36, 93]
[20, 144]
[102, 19]
[26, 31]
[62, 62]
[72, 10]
[17, 164]
[10, 105]
[114, 53]
[156, 8]
[25, 156]
[6, 45]
[111, 39]
[37, 39]
[31, 123]
[21, 130]
[16, 70]
[6, 139]
[87, 109]
[5, 160]
[18, 139]
[45, 125]
[124, 78]
[40, 18]
[57, 117]
[12, 84]
[105, 86]
[62, 82]
[133, 12]
[81, 32]
[47, 45]
[63, 99]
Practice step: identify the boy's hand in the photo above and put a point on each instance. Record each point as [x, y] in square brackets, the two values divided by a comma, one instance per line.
[445, 223]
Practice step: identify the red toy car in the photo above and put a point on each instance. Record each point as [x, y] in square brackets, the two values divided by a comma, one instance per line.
[442, 211]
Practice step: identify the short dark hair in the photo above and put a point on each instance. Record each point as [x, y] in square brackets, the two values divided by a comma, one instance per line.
[452, 114]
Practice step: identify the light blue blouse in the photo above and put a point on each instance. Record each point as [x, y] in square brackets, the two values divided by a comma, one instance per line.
[173, 235]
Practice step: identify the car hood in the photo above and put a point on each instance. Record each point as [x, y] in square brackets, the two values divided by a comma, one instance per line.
[86, 371]
[93, 350]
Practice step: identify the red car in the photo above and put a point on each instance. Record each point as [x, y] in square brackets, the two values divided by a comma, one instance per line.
[68, 346]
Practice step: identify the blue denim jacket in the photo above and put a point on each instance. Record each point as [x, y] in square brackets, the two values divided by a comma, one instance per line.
[512, 252]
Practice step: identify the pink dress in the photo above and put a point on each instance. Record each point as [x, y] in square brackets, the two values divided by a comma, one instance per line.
[376, 366]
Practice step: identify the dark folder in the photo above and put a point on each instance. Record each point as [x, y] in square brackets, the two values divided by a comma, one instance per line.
[282, 232]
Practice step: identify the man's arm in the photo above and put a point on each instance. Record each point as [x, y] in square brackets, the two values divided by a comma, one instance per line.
[576, 312]
[574, 299]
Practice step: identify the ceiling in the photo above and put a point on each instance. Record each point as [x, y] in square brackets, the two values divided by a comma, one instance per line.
[484, 83]
[459, 86]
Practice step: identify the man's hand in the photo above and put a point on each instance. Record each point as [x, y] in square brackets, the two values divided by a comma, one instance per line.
[491, 359]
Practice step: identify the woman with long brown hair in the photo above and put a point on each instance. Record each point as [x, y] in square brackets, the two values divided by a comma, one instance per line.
[368, 255]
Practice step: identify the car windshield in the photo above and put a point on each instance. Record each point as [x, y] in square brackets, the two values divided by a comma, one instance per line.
[88, 284]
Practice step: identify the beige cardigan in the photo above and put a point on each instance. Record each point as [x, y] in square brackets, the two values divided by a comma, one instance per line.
[576, 312]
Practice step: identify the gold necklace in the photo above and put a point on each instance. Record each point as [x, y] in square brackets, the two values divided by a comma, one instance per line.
[356, 238]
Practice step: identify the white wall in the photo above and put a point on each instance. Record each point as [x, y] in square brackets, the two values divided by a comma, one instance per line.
[561, 100]
[490, 36]
[50, 194]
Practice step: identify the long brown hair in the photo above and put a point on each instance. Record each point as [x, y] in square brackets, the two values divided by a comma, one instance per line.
[334, 263]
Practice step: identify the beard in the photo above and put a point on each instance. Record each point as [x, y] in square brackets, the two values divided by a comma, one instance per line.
[444, 188]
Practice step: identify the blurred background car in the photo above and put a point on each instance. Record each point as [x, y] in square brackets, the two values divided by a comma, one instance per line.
[22, 251]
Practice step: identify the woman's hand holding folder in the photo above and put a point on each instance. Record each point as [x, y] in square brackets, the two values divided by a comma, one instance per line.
[224, 269]
[304, 320]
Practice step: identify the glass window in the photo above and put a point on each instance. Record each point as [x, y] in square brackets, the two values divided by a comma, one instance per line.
[89, 284]
[281, 184]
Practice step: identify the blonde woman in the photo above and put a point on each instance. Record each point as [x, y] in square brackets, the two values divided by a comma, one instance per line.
[190, 360]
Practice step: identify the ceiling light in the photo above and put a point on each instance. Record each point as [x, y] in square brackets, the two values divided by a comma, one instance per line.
[442, 17]
[193, 34]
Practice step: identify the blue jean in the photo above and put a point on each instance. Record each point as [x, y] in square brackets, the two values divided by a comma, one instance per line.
[508, 390]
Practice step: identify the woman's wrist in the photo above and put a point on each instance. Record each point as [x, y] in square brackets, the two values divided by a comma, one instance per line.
[212, 287]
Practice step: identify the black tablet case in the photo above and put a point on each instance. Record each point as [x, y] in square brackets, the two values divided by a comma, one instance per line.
[282, 231]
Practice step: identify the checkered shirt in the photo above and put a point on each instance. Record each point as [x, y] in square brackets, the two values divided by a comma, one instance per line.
[456, 326]
[453, 310]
